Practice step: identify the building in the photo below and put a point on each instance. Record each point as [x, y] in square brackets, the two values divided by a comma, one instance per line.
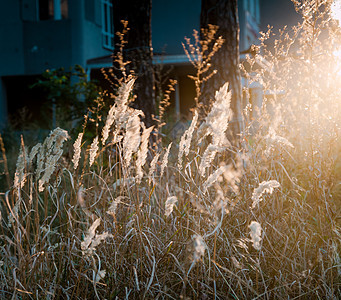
[36, 35]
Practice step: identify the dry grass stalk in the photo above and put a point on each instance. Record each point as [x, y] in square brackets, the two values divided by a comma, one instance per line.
[132, 137]
[185, 141]
[165, 159]
[264, 187]
[194, 244]
[77, 150]
[93, 151]
[4, 158]
[49, 154]
[169, 205]
[200, 54]
[255, 233]
[143, 151]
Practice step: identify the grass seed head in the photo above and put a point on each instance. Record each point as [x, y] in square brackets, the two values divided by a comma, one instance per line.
[49, 154]
[185, 141]
[142, 153]
[20, 172]
[93, 151]
[165, 159]
[169, 205]
[132, 137]
[77, 150]
[264, 187]
[255, 233]
[199, 247]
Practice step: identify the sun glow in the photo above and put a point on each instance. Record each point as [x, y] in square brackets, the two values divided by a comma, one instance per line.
[336, 10]
[337, 61]
[335, 13]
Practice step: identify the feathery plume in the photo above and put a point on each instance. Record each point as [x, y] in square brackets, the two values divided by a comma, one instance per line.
[255, 233]
[165, 159]
[77, 150]
[132, 137]
[185, 141]
[124, 92]
[90, 234]
[152, 166]
[108, 124]
[122, 111]
[142, 153]
[217, 121]
[93, 150]
[51, 150]
[169, 205]
[272, 139]
[213, 177]
[113, 206]
[20, 174]
[230, 174]
[199, 247]
[92, 239]
[264, 187]
[208, 157]
[34, 151]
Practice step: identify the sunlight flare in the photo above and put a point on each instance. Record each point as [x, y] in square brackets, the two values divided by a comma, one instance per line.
[336, 10]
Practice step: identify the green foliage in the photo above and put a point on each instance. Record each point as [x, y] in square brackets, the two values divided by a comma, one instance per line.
[70, 94]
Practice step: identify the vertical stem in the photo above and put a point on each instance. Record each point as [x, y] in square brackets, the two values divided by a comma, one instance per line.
[2, 146]
[214, 259]
[36, 219]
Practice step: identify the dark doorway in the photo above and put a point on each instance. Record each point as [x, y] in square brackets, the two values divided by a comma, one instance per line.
[27, 105]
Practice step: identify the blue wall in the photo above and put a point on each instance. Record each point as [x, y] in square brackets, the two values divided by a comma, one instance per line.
[171, 22]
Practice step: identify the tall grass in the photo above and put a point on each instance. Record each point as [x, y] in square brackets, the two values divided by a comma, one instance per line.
[115, 217]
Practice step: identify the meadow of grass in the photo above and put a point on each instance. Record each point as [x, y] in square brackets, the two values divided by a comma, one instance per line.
[125, 215]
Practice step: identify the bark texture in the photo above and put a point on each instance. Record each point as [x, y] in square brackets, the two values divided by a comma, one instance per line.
[224, 14]
[138, 50]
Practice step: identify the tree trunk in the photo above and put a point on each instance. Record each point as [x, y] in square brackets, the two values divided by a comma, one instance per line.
[224, 14]
[138, 50]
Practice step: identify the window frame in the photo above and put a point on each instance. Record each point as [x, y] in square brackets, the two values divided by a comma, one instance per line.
[107, 25]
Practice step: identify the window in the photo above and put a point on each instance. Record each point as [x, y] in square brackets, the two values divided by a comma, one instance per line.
[45, 9]
[107, 25]
[53, 9]
[64, 9]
